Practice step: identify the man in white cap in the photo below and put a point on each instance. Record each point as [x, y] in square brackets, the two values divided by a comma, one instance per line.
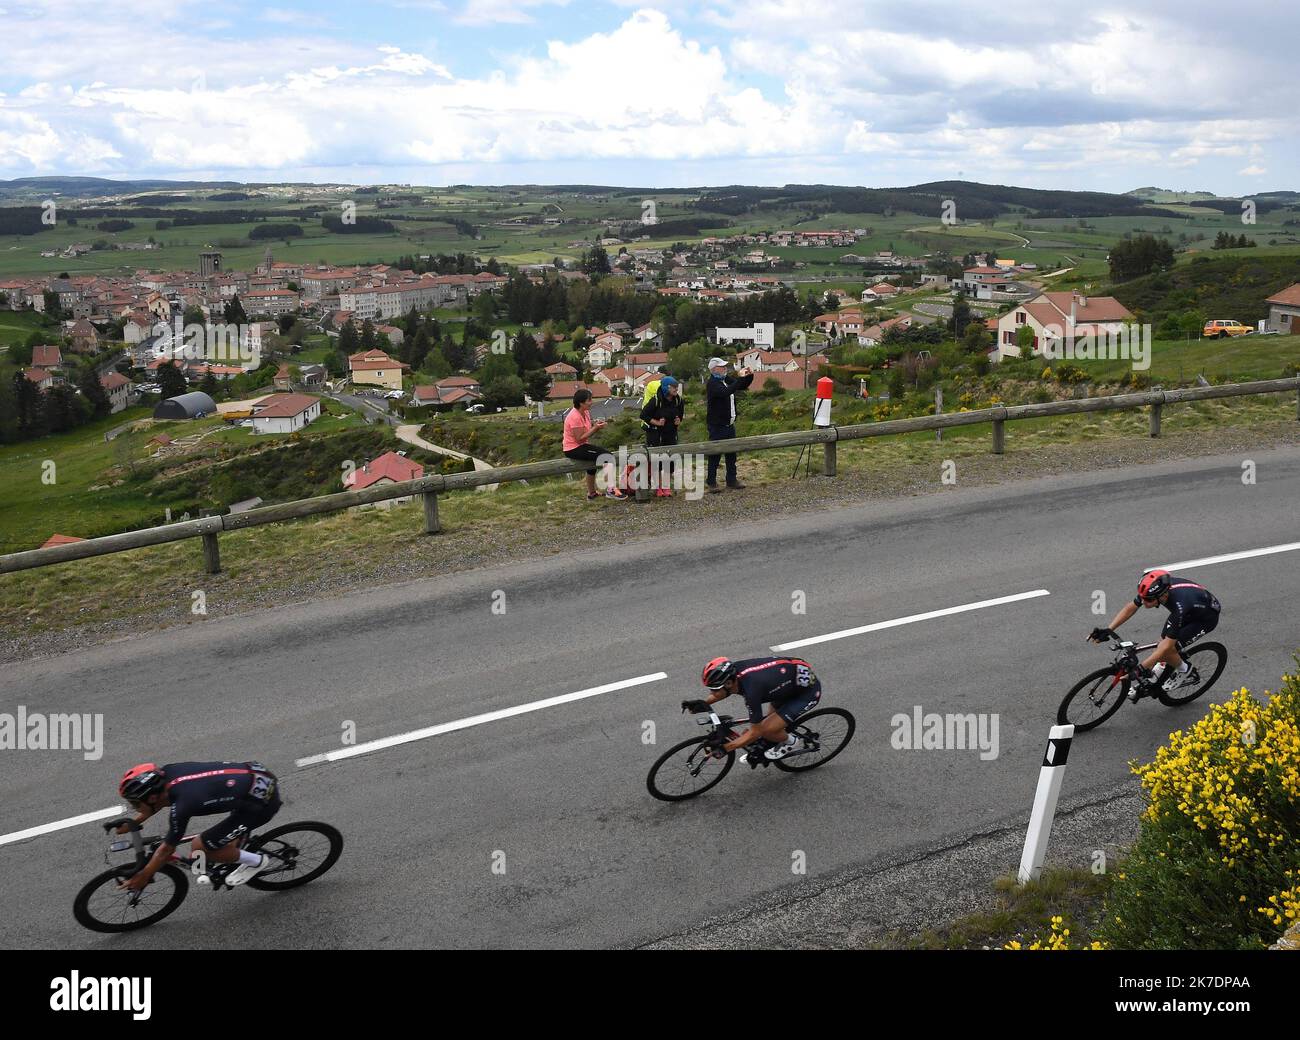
[720, 392]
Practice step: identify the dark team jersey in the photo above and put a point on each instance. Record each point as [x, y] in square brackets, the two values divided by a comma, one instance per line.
[1187, 601]
[204, 788]
[771, 680]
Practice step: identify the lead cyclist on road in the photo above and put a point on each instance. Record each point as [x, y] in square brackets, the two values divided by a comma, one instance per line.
[787, 683]
[248, 791]
[1193, 612]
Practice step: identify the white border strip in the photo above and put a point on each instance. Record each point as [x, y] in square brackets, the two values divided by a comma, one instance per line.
[475, 720]
[59, 825]
[1229, 557]
[911, 619]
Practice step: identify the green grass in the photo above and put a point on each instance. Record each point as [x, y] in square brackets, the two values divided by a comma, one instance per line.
[16, 326]
[32, 510]
[1024, 913]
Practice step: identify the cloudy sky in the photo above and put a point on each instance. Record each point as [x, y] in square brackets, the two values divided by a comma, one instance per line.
[1111, 96]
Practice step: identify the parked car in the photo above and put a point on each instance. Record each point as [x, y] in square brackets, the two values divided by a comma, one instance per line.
[394, 395]
[476, 409]
[1227, 327]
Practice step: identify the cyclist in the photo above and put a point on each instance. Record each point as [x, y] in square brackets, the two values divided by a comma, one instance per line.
[1193, 612]
[787, 683]
[248, 791]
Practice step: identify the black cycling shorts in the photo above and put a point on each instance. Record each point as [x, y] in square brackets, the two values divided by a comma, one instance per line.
[247, 817]
[792, 707]
[1193, 627]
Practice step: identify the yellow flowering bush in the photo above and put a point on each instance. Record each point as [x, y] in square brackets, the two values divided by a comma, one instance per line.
[1283, 909]
[1057, 939]
[1234, 776]
[1215, 863]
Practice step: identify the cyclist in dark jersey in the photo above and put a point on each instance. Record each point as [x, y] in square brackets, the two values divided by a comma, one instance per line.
[787, 683]
[247, 791]
[1193, 612]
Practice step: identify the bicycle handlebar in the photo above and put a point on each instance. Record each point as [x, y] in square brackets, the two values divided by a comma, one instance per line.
[129, 821]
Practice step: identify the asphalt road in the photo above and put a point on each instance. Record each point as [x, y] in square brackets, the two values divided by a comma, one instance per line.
[558, 794]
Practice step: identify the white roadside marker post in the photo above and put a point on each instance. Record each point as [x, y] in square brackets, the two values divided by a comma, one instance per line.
[1050, 778]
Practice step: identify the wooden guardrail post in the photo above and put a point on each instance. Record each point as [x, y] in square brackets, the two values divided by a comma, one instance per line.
[431, 523]
[211, 547]
[211, 554]
[209, 527]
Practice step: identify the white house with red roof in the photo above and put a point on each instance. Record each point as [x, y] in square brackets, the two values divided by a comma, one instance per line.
[873, 335]
[565, 391]
[43, 379]
[285, 413]
[1052, 316]
[392, 467]
[47, 357]
[118, 389]
[1284, 311]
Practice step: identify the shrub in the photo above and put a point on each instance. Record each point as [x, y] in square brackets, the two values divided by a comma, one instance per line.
[1214, 864]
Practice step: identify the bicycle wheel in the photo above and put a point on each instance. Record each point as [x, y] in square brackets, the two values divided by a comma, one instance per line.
[1208, 659]
[102, 907]
[676, 776]
[303, 851]
[829, 729]
[1094, 699]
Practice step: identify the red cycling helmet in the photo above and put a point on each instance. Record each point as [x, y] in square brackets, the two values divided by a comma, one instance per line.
[717, 673]
[140, 781]
[1153, 585]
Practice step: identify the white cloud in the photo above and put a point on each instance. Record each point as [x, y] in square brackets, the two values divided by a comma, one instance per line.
[807, 86]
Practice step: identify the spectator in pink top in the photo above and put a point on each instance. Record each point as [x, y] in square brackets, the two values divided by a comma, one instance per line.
[578, 426]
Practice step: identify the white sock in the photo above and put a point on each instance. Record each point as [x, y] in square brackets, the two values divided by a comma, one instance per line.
[1185, 667]
[250, 858]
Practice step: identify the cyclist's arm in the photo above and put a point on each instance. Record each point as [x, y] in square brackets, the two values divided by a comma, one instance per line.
[141, 814]
[179, 817]
[1125, 612]
[161, 855]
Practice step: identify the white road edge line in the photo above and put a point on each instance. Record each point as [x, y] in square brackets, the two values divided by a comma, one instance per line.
[910, 619]
[474, 720]
[1229, 557]
[59, 825]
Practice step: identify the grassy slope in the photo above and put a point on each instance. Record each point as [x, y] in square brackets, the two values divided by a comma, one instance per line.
[389, 545]
[33, 510]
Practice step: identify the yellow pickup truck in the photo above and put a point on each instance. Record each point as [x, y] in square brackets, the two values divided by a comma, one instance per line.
[1228, 327]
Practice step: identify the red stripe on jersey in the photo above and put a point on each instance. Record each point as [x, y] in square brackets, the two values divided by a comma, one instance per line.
[210, 772]
[769, 664]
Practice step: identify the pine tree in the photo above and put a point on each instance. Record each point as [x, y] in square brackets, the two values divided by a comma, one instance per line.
[29, 407]
[171, 381]
[348, 339]
[92, 390]
[234, 312]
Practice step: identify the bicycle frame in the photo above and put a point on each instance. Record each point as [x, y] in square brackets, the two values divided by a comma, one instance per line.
[144, 851]
[720, 722]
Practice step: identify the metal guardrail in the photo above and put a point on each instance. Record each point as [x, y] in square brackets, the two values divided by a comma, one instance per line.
[429, 488]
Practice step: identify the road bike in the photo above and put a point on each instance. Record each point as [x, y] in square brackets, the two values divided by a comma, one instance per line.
[690, 768]
[1098, 695]
[300, 852]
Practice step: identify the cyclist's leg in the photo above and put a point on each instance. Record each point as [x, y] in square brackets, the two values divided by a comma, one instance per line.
[792, 707]
[222, 843]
